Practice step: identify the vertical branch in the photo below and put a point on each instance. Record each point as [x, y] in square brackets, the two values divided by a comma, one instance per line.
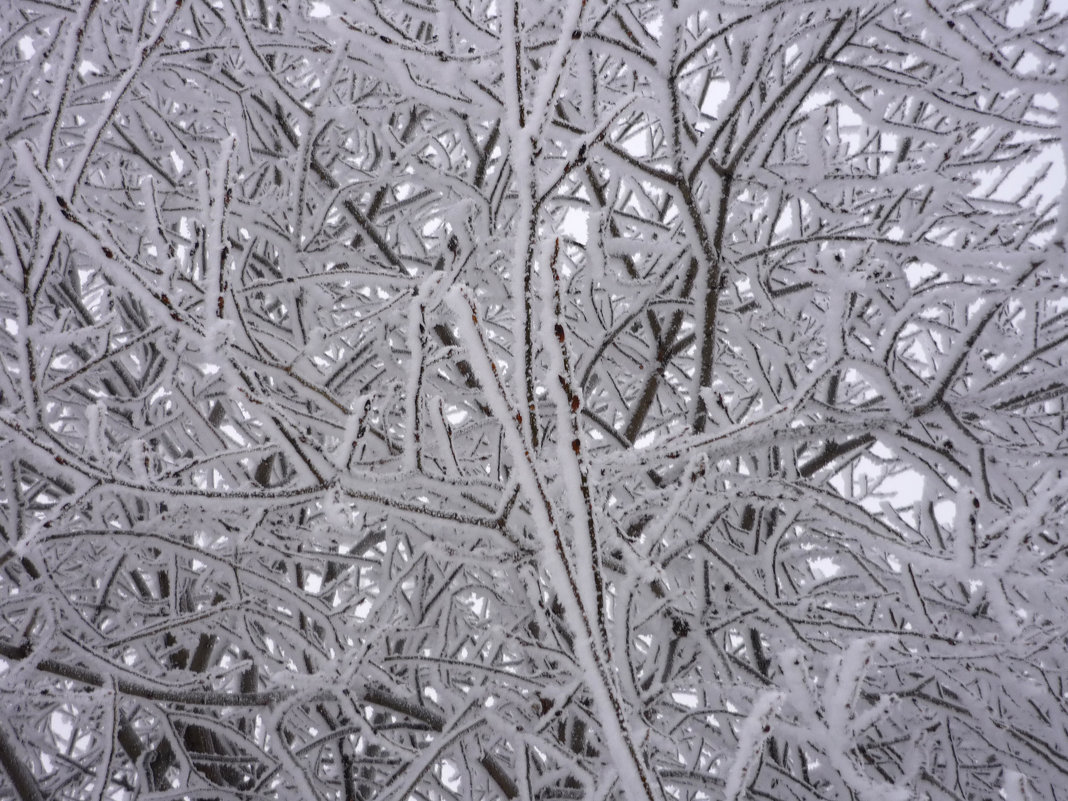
[708, 286]
[110, 734]
[215, 247]
[639, 782]
[526, 224]
[561, 391]
[413, 460]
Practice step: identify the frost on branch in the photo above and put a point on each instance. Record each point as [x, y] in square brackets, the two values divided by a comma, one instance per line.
[538, 400]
